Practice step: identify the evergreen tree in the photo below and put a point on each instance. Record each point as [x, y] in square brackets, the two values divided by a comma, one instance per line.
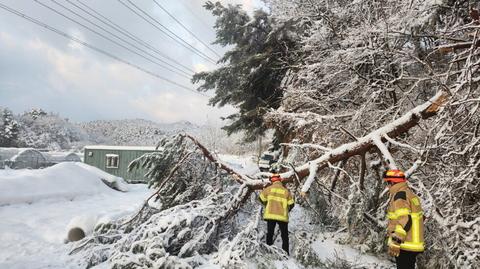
[36, 112]
[8, 129]
[251, 72]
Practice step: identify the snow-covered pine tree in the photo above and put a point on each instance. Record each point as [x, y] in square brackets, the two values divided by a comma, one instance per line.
[36, 112]
[9, 129]
[39, 129]
[252, 70]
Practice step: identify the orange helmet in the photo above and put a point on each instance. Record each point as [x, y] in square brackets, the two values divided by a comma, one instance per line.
[275, 177]
[394, 176]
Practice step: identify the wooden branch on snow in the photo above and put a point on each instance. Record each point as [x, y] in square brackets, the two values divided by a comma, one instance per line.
[364, 144]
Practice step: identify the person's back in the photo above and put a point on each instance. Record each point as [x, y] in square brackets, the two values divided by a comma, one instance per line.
[278, 202]
[402, 199]
[405, 221]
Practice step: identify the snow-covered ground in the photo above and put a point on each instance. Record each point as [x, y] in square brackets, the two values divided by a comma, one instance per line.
[39, 205]
[242, 164]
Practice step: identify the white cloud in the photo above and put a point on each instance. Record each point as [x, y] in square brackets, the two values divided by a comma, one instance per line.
[200, 67]
[171, 107]
[78, 34]
[7, 40]
[77, 72]
[120, 87]
[59, 75]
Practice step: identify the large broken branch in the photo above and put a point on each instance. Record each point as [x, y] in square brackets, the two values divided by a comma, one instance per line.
[239, 177]
[364, 144]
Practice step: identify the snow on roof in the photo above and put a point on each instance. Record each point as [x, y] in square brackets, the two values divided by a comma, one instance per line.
[7, 153]
[147, 148]
[12, 153]
[29, 154]
[55, 156]
[64, 181]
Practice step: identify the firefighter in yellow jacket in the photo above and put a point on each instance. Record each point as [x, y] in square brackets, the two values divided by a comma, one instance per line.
[405, 221]
[278, 202]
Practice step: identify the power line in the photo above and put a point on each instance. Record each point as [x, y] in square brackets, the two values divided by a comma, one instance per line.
[194, 14]
[178, 39]
[113, 41]
[81, 42]
[120, 38]
[125, 32]
[167, 65]
[186, 29]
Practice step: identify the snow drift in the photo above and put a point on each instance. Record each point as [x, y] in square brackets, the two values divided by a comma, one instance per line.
[62, 181]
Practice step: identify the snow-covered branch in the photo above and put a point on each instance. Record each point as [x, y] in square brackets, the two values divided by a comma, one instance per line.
[364, 144]
[240, 178]
[384, 150]
[306, 146]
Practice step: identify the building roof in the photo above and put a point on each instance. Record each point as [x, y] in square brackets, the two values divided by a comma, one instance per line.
[61, 156]
[145, 148]
[11, 153]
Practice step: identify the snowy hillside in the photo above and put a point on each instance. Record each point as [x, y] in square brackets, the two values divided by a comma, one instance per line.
[39, 129]
[133, 131]
[42, 130]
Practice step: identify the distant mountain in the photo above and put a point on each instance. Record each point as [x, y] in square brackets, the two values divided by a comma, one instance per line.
[180, 126]
[38, 129]
[133, 131]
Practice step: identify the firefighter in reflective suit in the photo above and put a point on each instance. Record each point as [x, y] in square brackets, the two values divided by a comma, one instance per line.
[405, 221]
[278, 202]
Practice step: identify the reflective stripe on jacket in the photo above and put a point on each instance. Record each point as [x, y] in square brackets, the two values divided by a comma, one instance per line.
[405, 218]
[277, 199]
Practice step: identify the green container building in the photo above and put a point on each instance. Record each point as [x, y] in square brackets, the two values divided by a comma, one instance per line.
[115, 160]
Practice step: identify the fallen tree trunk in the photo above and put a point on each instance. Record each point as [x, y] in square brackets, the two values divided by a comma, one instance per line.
[364, 144]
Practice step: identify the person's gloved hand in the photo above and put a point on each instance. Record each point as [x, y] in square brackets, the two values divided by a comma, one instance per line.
[394, 246]
[393, 250]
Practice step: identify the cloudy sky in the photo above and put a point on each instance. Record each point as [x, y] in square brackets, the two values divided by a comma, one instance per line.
[41, 69]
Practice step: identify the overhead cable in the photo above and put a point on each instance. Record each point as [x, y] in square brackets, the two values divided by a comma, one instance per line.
[92, 47]
[97, 15]
[183, 74]
[165, 30]
[186, 28]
